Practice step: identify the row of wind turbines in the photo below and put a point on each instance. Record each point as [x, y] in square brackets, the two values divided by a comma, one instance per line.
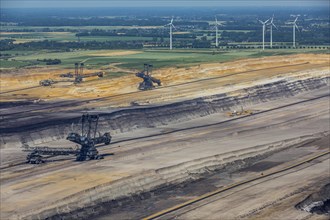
[271, 24]
[264, 24]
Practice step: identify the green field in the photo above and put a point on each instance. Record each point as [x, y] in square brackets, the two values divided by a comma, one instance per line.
[22, 37]
[67, 33]
[13, 64]
[20, 28]
[159, 58]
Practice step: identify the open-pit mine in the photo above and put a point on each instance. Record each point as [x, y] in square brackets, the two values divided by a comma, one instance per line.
[245, 139]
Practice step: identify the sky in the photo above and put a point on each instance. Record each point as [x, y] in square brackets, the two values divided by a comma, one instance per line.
[156, 3]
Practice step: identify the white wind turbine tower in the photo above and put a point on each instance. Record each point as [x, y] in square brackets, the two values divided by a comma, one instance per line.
[294, 26]
[271, 31]
[171, 26]
[263, 32]
[216, 32]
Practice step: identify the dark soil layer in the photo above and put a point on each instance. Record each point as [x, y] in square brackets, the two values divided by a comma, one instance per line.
[58, 125]
[318, 202]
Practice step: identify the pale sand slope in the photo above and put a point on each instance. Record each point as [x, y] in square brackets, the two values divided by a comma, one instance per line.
[94, 87]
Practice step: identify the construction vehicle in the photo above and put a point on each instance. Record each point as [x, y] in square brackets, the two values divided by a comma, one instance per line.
[240, 113]
[148, 80]
[87, 141]
[46, 82]
[67, 75]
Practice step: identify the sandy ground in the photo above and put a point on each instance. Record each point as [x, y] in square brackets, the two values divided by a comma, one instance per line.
[29, 186]
[100, 87]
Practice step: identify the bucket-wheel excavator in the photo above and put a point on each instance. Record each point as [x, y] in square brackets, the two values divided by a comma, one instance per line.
[87, 139]
[148, 80]
[78, 76]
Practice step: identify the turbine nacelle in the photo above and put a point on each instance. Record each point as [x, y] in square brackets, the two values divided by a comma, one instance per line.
[271, 23]
[170, 24]
[263, 22]
[294, 23]
[216, 22]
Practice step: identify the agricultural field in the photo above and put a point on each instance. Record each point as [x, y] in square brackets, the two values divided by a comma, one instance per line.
[133, 59]
[92, 39]
[23, 37]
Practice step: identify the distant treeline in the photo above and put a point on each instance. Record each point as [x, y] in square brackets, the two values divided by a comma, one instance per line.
[153, 32]
[53, 45]
[306, 37]
[50, 61]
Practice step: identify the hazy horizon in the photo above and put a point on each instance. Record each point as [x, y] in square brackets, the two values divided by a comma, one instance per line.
[159, 3]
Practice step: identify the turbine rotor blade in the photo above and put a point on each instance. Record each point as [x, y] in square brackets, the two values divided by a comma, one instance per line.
[274, 26]
[295, 20]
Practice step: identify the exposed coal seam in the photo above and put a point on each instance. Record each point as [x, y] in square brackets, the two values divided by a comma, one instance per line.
[128, 119]
[318, 202]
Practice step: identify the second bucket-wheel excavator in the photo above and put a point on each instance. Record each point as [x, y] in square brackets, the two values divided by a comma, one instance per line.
[78, 76]
[148, 80]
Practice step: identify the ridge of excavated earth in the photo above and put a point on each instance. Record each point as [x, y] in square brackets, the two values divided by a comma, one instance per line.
[119, 121]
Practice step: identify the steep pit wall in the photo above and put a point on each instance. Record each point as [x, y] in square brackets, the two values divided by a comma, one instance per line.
[126, 120]
[89, 202]
[143, 117]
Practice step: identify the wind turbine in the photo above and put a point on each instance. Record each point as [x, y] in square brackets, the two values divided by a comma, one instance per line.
[294, 26]
[216, 32]
[263, 32]
[171, 26]
[271, 31]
